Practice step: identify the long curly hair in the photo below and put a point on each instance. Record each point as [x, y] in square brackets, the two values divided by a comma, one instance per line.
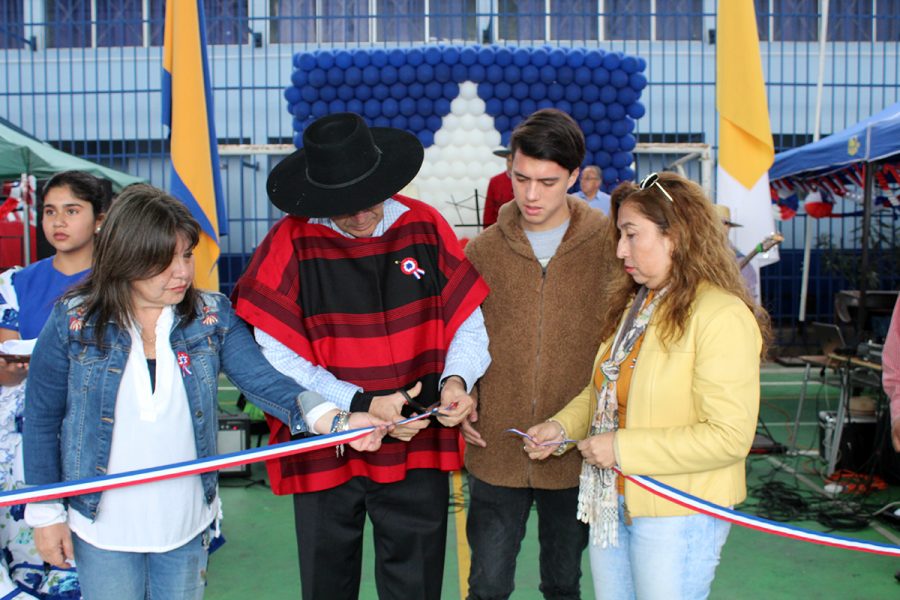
[701, 252]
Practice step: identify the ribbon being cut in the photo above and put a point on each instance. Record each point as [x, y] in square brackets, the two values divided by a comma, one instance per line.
[214, 463]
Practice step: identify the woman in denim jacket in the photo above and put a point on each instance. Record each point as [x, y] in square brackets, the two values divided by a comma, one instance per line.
[124, 377]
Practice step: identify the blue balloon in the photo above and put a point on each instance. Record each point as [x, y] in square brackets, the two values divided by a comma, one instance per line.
[530, 74]
[521, 90]
[627, 142]
[337, 106]
[327, 93]
[398, 91]
[593, 59]
[573, 93]
[306, 61]
[355, 106]
[424, 106]
[433, 90]
[325, 59]
[548, 74]
[476, 73]
[602, 127]
[319, 109]
[612, 60]
[371, 75]
[486, 56]
[630, 64]
[335, 76]
[602, 159]
[583, 76]
[450, 90]
[299, 78]
[615, 111]
[432, 55]
[390, 107]
[399, 122]
[626, 96]
[407, 107]
[485, 90]
[503, 90]
[538, 90]
[556, 91]
[424, 73]
[565, 75]
[309, 93]
[642, 64]
[416, 123]
[298, 139]
[544, 103]
[637, 81]
[600, 76]
[415, 90]
[450, 55]
[442, 72]
[527, 106]
[459, 72]
[426, 137]
[521, 57]
[618, 78]
[610, 175]
[514, 122]
[565, 106]
[381, 121]
[360, 58]
[511, 107]
[381, 91]
[621, 159]
[379, 58]
[493, 106]
[317, 77]
[590, 93]
[493, 74]
[501, 123]
[442, 106]
[302, 110]
[468, 56]
[608, 94]
[297, 59]
[593, 142]
[353, 76]
[511, 74]
[406, 74]
[433, 122]
[346, 92]
[587, 126]
[389, 74]
[540, 57]
[557, 57]
[597, 111]
[503, 57]
[580, 110]
[622, 127]
[626, 174]
[610, 143]
[397, 57]
[415, 56]
[292, 94]
[575, 58]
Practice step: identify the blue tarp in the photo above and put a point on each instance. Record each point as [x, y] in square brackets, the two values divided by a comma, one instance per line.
[869, 140]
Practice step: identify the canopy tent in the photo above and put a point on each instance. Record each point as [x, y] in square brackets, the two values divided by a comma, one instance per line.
[846, 163]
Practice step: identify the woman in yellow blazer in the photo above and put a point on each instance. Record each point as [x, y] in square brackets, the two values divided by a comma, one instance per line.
[675, 396]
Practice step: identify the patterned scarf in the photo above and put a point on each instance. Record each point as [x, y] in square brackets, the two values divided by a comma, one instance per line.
[597, 496]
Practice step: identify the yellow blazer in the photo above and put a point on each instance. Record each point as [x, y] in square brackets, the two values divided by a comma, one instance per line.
[692, 407]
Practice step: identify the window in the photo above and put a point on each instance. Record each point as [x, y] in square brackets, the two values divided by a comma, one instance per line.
[12, 25]
[120, 23]
[653, 20]
[573, 20]
[795, 21]
[887, 20]
[400, 21]
[850, 21]
[293, 20]
[452, 20]
[521, 19]
[68, 24]
[226, 21]
[679, 20]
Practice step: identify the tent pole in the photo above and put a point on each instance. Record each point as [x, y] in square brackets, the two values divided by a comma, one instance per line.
[26, 222]
[864, 260]
[817, 133]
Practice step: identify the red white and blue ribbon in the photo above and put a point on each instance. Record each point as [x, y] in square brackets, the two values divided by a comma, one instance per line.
[214, 463]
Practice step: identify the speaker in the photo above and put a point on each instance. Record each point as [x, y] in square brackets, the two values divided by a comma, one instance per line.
[857, 444]
[233, 436]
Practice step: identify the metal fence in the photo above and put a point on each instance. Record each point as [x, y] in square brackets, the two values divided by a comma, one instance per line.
[84, 75]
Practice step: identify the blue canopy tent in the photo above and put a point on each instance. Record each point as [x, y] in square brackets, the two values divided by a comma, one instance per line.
[868, 142]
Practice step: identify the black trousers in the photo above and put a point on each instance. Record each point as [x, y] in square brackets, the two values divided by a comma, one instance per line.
[409, 521]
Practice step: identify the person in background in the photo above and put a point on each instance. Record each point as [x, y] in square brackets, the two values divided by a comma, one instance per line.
[366, 297]
[499, 190]
[747, 271]
[549, 250]
[674, 395]
[72, 208]
[890, 377]
[124, 377]
[590, 189]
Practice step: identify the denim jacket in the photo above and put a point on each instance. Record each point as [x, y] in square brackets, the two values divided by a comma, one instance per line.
[71, 394]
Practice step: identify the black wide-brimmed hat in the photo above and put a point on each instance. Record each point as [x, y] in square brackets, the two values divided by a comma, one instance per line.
[344, 167]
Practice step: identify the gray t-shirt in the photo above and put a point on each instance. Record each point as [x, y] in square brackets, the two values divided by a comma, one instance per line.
[545, 243]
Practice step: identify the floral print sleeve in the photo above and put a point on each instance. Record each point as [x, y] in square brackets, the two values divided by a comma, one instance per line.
[9, 303]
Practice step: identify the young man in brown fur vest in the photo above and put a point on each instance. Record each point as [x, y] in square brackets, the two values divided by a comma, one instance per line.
[548, 261]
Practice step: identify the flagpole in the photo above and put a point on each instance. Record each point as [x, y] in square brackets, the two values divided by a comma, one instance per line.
[817, 133]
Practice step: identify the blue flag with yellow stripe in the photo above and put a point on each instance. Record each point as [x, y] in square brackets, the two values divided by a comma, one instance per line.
[187, 110]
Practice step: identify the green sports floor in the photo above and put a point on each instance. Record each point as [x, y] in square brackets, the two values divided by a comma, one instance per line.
[259, 558]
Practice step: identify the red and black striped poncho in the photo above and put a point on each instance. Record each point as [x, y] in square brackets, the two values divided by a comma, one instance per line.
[376, 312]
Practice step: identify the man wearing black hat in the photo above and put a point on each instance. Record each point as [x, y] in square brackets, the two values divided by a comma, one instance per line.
[365, 296]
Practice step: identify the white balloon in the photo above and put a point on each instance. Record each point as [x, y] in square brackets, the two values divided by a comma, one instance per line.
[457, 169]
[459, 106]
[468, 90]
[441, 137]
[441, 169]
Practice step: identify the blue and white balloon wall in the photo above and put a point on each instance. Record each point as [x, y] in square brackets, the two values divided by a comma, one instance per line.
[463, 101]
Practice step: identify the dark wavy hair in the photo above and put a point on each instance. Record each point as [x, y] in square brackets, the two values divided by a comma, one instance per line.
[83, 186]
[701, 252]
[137, 241]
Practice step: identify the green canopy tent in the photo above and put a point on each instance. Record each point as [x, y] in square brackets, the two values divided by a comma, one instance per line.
[22, 154]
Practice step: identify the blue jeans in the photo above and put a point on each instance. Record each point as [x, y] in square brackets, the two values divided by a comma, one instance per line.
[660, 557]
[178, 574]
[495, 528]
